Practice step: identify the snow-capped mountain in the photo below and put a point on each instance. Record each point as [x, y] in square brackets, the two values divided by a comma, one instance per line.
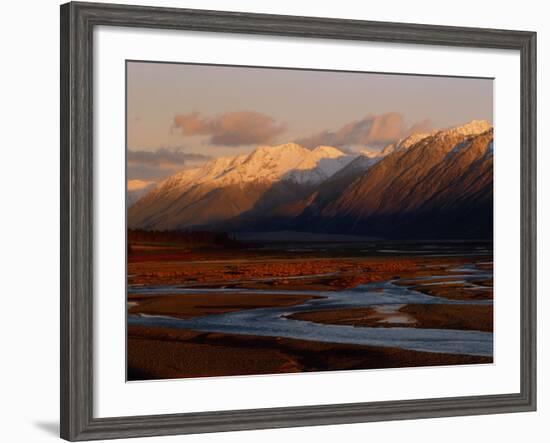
[405, 143]
[361, 163]
[472, 128]
[437, 185]
[290, 162]
[188, 197]
[318, 165]
[440, 186]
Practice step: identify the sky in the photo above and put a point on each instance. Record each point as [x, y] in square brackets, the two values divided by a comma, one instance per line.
[181, 115]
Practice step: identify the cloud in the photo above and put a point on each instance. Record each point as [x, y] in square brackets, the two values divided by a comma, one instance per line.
[164, 156]
[156, 165]
[231, 129]
[422, 126]
[375, 131]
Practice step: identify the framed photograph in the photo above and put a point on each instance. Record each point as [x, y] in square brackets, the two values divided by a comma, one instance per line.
[273, 221]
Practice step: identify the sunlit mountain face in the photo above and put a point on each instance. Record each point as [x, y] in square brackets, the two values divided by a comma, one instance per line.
[427, 185]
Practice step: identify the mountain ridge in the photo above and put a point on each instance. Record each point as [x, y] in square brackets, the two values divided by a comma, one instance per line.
[394, 192]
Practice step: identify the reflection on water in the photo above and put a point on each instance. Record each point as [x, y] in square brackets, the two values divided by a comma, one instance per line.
[391, 314]
[385, 297]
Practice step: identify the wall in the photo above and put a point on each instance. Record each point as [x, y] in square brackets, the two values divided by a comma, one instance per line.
[29, 222]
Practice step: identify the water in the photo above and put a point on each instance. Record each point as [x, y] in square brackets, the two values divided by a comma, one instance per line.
[385, 297]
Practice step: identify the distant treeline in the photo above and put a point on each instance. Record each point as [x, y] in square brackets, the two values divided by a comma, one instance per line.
[182, 237]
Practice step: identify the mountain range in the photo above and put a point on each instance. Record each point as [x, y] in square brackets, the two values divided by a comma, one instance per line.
[137, 189]
[435, 185]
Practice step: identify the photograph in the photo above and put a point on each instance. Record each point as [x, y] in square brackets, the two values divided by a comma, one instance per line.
[243, 222]
[296, 220]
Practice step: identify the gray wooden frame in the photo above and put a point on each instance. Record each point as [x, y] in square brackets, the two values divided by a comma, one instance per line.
[77, 24]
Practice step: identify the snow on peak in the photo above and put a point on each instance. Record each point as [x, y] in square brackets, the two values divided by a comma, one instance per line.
[292, 162]
[472, 128]
[370, 153]
[216, 167]
[286, 149]
[413, 139]
[327, 151]
[288, 161]
[404, 143]
[268, 163]
[318, 165]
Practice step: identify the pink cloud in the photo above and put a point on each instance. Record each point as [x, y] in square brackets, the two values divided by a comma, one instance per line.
[230, 129]
[374, 131]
